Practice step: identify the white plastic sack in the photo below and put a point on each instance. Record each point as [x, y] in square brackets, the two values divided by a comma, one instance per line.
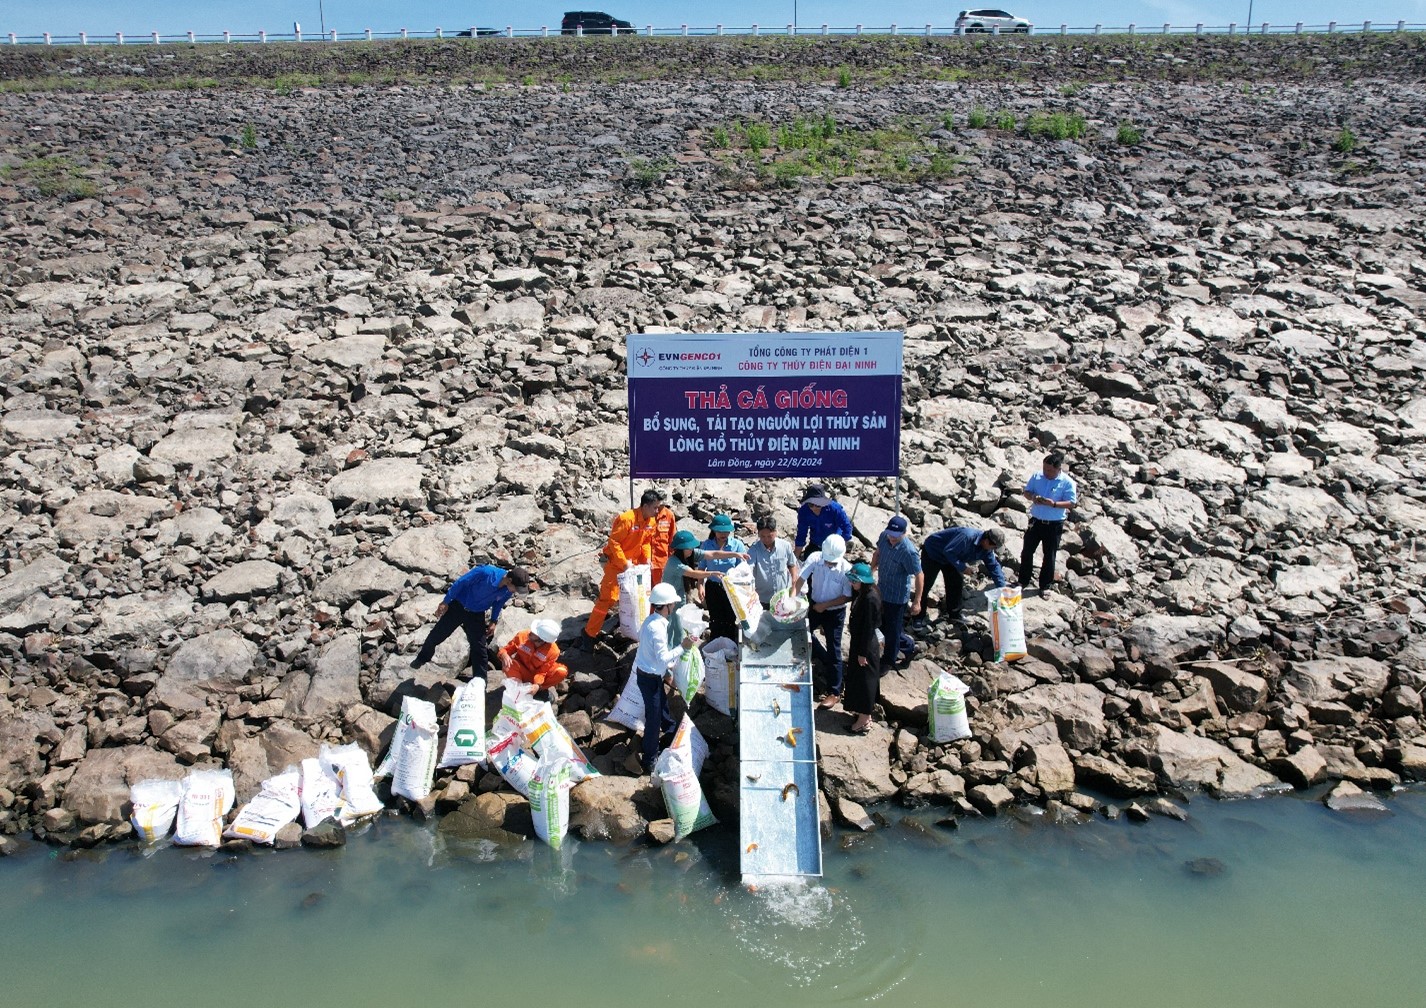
[465, 732]
[207, 797]
[413, 764]
[693, 618]
[720, 674]
[542, 734]
[319, 793]
[549, 797]
[696, 743]
[1007, 625]
[352, 770]
[277, 803]
[516, 702]
[787, 608]
[629, 711]
[513, 762]
[946, 707]
[682, 794]
[688, 674]
[635, 583]
[155, 806]
[742, 595]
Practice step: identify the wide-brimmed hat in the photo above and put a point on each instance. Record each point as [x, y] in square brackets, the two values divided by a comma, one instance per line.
[816, 494]
[547, 630]
[861, 572]
[720, 523]
[683, 539]
[663, 594]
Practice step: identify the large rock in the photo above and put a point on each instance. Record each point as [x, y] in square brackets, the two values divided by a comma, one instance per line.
[1186, 760]
[1174, 638]
[21, 735]
[1101, 773]
[332, 686]
[25, 581]
[1239, 689]
[1331, 679]
[99, 790]
[1076, 710]
[364, 579]
[439, 550]
[211, 663]
[498, 819]
[614, 808]
[903, 693]
[854, 766]
[395, 481]
[1054, 772]
[255, 758]
[102, 515]
[244, 580]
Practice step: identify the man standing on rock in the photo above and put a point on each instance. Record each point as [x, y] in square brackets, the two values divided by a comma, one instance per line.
[774, 565]
[480, 591]
[828, 592]
[951, 551]
[661, 540]
[630, 543]
[897, 563]
[1052, 495]
[818, 517]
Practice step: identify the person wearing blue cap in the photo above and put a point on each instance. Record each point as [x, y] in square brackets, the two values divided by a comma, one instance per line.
[897, 563]
[862, 684]
[722, 621]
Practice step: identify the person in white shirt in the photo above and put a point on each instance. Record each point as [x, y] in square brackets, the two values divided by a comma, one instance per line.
[653, 668]
[828, 592]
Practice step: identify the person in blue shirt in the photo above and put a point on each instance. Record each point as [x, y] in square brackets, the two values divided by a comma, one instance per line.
[949, 552]
[479, 591]
[1052, 496]
[684, 556]
[818, 517]
[897, 563]
[722, 621]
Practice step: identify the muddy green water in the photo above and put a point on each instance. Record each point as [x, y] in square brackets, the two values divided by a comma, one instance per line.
[1310, 908]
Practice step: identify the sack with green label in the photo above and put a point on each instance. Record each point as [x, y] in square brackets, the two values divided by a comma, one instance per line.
[946, 708]
[688, 674]
[549, 796]
[465, 732]
[678, 780]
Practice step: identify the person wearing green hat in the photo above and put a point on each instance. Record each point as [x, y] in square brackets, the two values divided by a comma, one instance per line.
[683, 559]
[862, 683]
[721, 620]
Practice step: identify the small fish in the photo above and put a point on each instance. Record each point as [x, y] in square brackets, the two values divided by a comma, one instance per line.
[791, 737]
[751, 847]
[790, 789]
[753, 778]
[776, 708]
[792, 687]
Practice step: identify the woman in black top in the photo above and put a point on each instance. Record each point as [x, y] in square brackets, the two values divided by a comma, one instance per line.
[863, 675]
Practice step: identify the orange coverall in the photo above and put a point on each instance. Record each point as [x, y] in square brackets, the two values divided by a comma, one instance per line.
[630, 543]
[531, 659]
[665, 525]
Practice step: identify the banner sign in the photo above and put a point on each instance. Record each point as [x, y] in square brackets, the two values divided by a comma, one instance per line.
[764, 405]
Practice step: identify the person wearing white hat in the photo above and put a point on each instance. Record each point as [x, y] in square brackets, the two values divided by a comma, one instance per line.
[653, 668]
[828, 592]
[532, 656]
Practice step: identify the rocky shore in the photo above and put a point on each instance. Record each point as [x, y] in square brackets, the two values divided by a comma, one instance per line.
[276, 367]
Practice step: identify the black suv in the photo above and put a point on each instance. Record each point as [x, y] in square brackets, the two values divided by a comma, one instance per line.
[593, 23]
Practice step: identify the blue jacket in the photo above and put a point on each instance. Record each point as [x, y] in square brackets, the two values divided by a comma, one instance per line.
[960, 547]
[479, 589]
[817, 527]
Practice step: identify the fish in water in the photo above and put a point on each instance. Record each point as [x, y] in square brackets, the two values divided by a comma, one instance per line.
[792, 687]
[790, 739]
[790, 789]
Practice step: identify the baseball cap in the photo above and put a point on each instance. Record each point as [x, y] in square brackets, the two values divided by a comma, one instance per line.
[897, 526]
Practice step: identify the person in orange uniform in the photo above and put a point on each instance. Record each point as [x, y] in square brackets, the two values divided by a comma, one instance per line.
[532, 656]
[630, 543]
[665, 525]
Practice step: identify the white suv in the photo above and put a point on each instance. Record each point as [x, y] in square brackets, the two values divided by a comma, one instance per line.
[971, 22]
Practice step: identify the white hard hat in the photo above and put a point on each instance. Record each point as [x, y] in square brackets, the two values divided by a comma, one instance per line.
[547, 630]
[834, 547]
[663, 594]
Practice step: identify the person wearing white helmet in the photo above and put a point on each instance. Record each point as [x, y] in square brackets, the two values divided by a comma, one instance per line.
[532, 656]
[828, 592]
[653, 668]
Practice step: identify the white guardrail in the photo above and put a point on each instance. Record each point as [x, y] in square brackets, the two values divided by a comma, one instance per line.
[686, 31]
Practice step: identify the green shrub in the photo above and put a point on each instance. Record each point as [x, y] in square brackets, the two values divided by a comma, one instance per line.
[1003, 120]
[1345, 142]
[758, 136]
[1129, 135]
[249, 137]
[844, 78]
[1055, 125]
[978, 118]
[646, 174]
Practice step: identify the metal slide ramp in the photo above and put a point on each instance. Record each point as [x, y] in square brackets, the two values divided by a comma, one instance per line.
[777, 782]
